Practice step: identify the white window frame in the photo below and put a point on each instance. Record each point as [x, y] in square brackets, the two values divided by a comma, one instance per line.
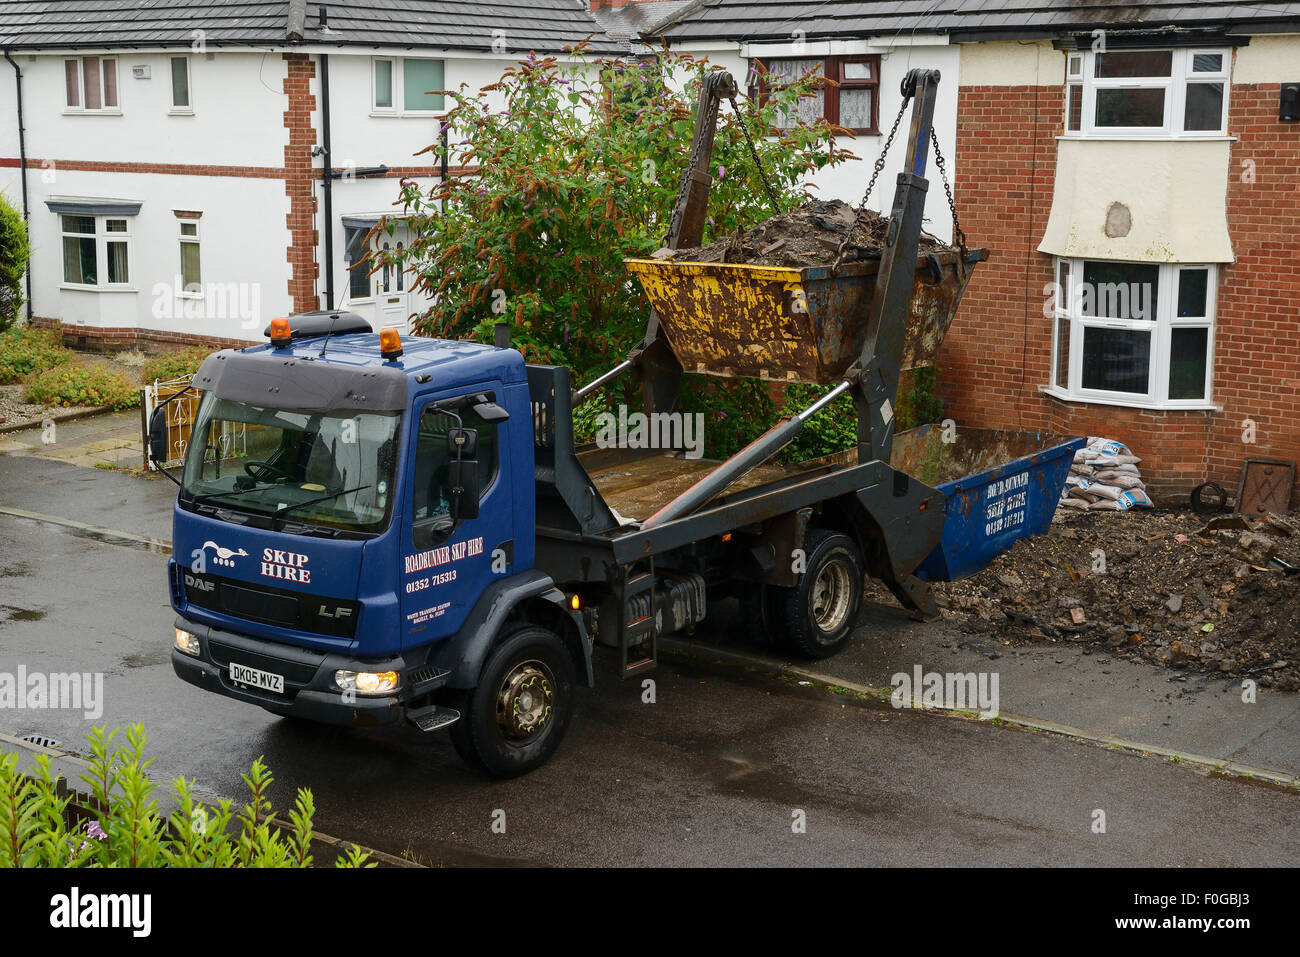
[181, 291]
[81, 109]
[398, 107]
[102, 238]
[1175, 94]
[1066, 305]
[173, 109]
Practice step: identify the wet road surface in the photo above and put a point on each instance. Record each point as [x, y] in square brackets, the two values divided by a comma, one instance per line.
[718, 771]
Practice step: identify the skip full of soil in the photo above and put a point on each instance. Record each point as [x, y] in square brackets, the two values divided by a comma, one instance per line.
[1161, 586]
[807, 236]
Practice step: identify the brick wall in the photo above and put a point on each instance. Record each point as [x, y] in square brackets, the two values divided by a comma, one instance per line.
[998, 352]
[97, 339]
[301, 218]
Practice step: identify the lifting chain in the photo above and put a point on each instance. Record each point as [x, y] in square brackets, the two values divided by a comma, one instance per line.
[942, 166]
[753, 151]
[871, 185]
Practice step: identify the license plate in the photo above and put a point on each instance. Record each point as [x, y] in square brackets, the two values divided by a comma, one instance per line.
[255, 678]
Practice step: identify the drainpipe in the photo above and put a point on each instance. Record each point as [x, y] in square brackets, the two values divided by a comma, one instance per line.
[328, 186]
[22, 167]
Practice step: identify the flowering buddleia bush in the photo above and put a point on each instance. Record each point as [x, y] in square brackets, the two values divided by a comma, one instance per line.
[575, 167]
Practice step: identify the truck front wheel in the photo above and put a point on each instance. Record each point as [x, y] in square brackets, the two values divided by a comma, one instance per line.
[514, 720]
[820, 610]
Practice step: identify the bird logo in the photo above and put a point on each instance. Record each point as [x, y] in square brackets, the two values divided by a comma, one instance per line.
[225, 556]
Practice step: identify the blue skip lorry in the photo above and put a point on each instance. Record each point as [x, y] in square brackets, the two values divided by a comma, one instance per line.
[370, 530]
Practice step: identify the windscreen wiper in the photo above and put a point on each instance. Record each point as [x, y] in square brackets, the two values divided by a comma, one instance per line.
[285, 509]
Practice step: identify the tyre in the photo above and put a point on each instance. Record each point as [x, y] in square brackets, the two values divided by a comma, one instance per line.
[516, 717]
[819, 612]
[761, 618]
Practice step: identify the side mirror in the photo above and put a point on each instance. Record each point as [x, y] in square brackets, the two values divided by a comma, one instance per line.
[462, 443]
[158, 437]
[490, 412]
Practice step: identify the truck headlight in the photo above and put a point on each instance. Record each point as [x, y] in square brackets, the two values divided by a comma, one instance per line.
[367, 682]
[187, 642]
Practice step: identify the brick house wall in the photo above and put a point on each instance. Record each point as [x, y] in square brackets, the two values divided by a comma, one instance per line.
[998, 352]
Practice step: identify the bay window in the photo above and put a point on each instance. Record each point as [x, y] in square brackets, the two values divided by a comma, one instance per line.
[1147, 94]
[96, 251]
[1139, 334]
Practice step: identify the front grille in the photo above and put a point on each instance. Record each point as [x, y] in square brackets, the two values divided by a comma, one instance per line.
[274, 606]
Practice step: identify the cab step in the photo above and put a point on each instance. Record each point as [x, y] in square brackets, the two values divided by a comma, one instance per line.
[433, 717]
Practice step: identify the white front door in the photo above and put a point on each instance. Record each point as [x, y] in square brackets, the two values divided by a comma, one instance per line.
[383, 297]
[391, 298]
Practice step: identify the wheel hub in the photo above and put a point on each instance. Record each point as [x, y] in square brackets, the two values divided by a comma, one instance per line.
[832, 594]
[524, 703]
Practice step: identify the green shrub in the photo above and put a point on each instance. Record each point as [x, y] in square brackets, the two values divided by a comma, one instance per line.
[27, 350]
[70, 384]
[917, 402]
[119, 825]
[174, 365]
[835, 428]
[14, 253]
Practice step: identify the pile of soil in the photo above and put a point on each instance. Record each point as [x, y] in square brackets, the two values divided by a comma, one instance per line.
[807, 236]
[1175, 590]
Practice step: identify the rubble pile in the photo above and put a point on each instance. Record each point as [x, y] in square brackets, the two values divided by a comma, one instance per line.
[1220, 597]
[807, 236]
[1104, 477]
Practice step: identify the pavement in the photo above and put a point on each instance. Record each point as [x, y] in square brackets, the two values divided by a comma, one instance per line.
[1069, 686]
[110, 439]
[711, 772]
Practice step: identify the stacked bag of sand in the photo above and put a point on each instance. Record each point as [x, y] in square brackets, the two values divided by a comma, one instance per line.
[1105, 477]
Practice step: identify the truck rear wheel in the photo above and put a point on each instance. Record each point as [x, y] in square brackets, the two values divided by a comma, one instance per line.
[514, 720]
[820, 610]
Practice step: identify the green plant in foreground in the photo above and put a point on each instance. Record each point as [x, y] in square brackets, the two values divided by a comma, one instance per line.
[15, 251]
[118, 824]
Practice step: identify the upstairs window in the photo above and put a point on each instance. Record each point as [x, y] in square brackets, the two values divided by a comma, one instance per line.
[1147, 94]
[180, 74]
[852, 101]
[90, 84]
[406, 85]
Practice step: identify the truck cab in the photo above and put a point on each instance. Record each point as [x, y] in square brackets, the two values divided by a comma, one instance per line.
[349, 503]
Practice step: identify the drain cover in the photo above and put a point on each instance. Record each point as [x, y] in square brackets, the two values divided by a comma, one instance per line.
[40, 740]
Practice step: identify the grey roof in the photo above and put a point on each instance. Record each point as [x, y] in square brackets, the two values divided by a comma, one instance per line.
[544, 26]
[640, 19]
[966, 19]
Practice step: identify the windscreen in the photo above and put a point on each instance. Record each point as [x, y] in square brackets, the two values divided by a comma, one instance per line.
[324, 469]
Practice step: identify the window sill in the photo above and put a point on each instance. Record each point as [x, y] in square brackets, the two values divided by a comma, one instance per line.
[408, 114]
[1061, 395]
[77, 287]
[92, 112]
[1146, 138]
[180, 112]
